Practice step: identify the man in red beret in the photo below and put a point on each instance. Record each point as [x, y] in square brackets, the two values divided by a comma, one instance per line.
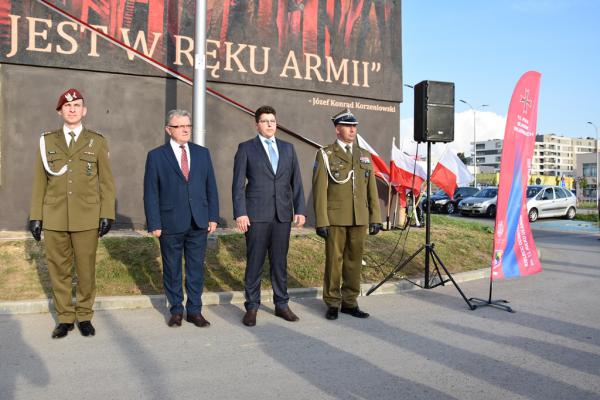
[73, 202]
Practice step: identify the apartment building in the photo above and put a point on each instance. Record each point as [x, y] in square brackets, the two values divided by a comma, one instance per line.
[553, 155]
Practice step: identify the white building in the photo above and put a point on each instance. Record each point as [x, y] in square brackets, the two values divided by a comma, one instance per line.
[553, 155]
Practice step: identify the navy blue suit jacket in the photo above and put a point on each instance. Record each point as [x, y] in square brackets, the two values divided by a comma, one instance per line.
[260, 193]
[170, 202]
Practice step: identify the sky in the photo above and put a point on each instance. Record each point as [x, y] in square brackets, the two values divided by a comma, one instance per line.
[485, 46]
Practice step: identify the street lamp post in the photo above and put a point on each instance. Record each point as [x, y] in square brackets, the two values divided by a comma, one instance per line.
[597, 168]
[474, 138]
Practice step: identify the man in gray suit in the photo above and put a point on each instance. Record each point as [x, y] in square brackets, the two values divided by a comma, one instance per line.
[267, 195]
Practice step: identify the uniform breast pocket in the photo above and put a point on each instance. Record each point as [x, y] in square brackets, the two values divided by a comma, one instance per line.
[89, 164]
[366, 170]
[55, 160]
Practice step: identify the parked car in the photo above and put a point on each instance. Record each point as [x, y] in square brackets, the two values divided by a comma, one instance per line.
[481, 203]
[550, 201]
[441, 202]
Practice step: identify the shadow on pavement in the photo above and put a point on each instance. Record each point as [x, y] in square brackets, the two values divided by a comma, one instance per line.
[337, 373]
[567, 356]
[18, 361]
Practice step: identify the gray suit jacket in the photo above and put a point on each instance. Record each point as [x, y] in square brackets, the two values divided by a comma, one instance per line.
[260, 193]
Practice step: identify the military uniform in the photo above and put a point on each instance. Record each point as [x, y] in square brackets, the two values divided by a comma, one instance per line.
[347, 205]
[70, 207]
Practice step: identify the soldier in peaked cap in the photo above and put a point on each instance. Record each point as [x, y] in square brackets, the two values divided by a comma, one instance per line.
[346, 205]
[73, 202]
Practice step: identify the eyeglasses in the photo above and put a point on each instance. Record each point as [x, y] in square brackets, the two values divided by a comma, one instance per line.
[180, 126]
[267, 121]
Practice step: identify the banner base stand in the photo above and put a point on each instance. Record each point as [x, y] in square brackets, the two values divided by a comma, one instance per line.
[491, 303]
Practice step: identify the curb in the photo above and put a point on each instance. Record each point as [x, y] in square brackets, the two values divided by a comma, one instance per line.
[217, 298]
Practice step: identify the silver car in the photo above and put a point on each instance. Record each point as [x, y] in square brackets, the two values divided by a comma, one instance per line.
[481, 203]
[550, 201]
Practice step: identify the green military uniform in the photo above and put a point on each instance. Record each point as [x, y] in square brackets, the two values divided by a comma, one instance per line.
[70, 207]
[347, 209]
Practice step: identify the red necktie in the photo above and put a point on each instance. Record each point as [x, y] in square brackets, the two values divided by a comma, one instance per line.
[184, 163]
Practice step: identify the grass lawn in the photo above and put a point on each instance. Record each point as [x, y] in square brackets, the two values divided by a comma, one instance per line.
[132, 265]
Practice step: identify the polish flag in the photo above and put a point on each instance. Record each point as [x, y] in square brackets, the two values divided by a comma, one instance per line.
[379, 166]
[450, 173]
[405, 171]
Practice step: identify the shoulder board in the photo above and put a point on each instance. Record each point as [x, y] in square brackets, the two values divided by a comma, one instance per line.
[95, 133]
[46, 133]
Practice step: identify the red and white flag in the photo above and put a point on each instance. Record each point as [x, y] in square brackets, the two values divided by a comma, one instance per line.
[404, 170]
[379, 166]
[450, 173]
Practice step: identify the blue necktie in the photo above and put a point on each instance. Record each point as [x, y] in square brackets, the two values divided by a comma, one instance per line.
[273, 155]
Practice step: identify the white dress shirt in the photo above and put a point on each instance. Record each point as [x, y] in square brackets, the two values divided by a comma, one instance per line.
[264, 141]
[344, 144]
[177, 151]
[77, 131]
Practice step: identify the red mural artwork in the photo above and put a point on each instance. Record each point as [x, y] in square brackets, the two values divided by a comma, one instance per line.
[356, 41]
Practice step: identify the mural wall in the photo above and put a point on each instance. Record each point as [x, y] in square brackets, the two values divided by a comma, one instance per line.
[347, 47]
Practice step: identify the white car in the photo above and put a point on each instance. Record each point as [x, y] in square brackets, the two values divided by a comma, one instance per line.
[481, 203]
[550, 201]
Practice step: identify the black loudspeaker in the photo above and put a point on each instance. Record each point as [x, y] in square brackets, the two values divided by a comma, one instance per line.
[434, 111]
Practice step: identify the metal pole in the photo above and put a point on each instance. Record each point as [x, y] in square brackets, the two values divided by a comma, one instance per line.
[474, 138]
[474, 148]
[597, 173]
[199, 105]
[428, 218]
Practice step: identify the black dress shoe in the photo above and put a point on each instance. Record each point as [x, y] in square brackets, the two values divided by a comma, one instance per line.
[198, 320]
[175, 320]
[86, 328]
[249, 318]
[332, 313]
[286, 314]
[62, 330]
[355, 312]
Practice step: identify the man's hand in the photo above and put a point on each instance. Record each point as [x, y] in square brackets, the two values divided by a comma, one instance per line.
[375, 228]
[156, 233]
[212, 226]
[105, 225]
[299, 220]
[242, 222]
[35, 227]
[323, 231]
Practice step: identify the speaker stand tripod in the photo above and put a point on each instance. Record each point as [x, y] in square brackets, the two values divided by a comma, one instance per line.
[430, 254]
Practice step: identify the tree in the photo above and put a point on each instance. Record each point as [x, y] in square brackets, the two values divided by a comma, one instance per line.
[462, 157]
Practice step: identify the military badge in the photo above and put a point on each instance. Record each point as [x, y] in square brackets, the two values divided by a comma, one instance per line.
[365, 160]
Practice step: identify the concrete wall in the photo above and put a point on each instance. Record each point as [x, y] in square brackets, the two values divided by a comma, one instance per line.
[129, 111]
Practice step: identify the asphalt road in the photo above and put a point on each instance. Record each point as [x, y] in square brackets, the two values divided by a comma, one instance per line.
[416, 345]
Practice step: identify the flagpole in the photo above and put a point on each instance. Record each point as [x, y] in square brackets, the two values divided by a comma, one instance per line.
[395, 211]
[389, 205]
[199, 102]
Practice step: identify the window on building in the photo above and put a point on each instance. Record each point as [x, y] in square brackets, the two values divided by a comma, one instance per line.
[589, 169]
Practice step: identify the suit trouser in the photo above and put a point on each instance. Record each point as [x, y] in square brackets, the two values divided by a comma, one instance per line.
[190, 244]
[274, 238]
[343, 261]
[62, 248]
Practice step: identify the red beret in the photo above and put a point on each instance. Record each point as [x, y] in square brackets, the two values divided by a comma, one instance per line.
[68, 96]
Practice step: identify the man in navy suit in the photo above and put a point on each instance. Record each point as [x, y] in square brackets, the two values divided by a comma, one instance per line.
[267, 195]
[182, 208]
